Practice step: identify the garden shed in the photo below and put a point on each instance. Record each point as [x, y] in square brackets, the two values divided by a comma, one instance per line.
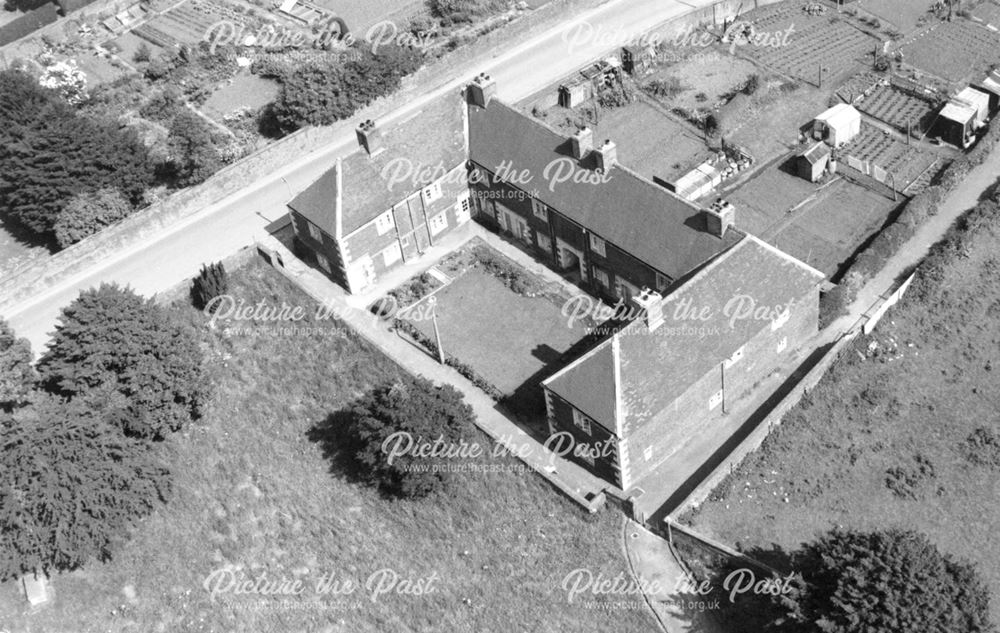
[838, 125]
[811, 163]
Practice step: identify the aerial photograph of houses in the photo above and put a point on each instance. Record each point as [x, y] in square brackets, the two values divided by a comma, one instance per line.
[513, 316]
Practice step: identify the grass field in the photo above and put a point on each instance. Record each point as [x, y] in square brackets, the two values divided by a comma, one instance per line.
[825, 228]
[505, 337]
[255, 492]
[886, 438]
[904, 14]
[244, 91]
[650, 142]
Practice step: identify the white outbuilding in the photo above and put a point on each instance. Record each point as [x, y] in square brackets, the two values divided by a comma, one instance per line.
[838, 125]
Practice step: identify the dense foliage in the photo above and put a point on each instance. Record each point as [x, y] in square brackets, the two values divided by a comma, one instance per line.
[194, 155]
[419, 411]
[16, 374]
[89, 212]
[114, 339]
[320, 94]
[49, 153]
[883, 581]
[210, 283]
[458, 11]
[70, 486]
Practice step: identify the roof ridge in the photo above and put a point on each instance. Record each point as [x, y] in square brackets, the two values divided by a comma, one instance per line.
[782, 254]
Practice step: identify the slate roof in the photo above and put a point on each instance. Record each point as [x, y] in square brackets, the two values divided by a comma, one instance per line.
[433, 138]
[642, 218]
[816, 153]
[641, 373]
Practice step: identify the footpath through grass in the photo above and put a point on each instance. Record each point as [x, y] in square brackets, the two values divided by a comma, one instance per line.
[903, 431]
[256, 495]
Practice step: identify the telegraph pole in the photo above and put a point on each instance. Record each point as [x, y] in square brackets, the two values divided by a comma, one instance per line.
[437, 333]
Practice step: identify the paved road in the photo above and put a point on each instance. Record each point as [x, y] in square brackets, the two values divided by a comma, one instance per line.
[222, 228]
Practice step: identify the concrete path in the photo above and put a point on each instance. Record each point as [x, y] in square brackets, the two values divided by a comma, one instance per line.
[654, 565]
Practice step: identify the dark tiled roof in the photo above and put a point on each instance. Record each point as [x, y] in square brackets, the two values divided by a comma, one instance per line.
[816, 153]
[433, 138]
[638, 216]
[655, 368]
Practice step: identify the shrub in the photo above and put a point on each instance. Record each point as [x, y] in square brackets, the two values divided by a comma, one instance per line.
[194, 156]
[668, 88]
[464, 11]
[752, 84]
[114, 339]
[322, 94]
[210, 283]
[711, 125]
[885, 582]
[907, 480]
[96, 484]
[163, 106]
[982, 448]
[142, 53]
[88, 213]
[410, 408]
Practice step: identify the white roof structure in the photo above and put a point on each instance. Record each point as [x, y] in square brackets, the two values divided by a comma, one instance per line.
[839, 115]
[843, 122]
[980, 102]
[958, 112]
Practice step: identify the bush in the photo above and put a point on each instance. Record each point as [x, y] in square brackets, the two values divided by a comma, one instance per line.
[982, 448]
[88, 213]
[412, 408]
[888, 581]
[752, 84]
[112, 338]
[142, 53]
[323, 94]
[194, 156]
[667, 88]
[210, 283]
[907, 481]
[95, 484]
[711, 125]
[163, 106]
[464, 11]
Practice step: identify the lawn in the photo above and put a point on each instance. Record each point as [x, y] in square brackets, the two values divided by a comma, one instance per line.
[243, 91]
[650, 142]
[826, 226]
[506, 337]
[707, 78]
[885, 439]
[254, 491]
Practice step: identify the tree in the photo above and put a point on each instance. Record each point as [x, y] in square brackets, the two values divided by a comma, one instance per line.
[88, 213]
[111, 337]
[16, 374]
[417, 410]
[885, 582]
[318, 94]
[210, 283]
[70, 486]
[194, 156]
[66, 79]
[49, 153]
[142, 53]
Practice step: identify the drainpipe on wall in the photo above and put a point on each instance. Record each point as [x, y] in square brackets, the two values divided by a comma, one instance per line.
[722, 370]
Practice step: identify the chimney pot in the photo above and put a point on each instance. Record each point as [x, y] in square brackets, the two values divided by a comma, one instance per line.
[607, 156]
[650, 303]
[482, 90]
[369, 137]
[720, 217]
[583, 142]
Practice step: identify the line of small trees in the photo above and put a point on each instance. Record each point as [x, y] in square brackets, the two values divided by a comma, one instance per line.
[79, 434]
